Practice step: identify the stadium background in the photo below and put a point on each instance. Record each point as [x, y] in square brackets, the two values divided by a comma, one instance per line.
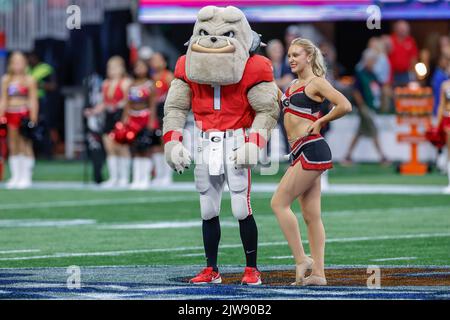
[373, 214]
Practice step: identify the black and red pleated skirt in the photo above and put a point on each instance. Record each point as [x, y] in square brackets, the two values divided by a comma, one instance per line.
[312, 152]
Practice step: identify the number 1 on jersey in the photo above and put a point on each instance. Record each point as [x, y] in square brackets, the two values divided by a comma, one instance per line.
[216, 97]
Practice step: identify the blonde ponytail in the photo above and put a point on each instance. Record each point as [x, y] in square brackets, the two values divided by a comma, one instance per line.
[317, 61]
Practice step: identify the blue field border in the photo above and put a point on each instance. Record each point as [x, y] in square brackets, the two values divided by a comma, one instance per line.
[162, 283]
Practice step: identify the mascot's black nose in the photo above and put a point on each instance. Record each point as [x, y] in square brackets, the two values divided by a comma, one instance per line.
[213, 39]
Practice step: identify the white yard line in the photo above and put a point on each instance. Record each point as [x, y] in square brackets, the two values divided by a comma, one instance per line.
[181, 249]
[162, 225]
[19, 251]
[192, 255]
[258, 187]
[33, 223]
[226, 222]
[401, 210]
[394, 259]
[97, 202]
[281, 257]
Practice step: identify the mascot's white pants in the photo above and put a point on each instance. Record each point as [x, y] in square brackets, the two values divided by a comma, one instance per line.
[213, 168]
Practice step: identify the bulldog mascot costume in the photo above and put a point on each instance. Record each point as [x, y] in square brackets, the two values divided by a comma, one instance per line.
[233, 97]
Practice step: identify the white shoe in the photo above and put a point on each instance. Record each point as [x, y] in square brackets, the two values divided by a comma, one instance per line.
[122, 183]
[162, 182]
[134, 185]
[163, 176]
[123, 172]
[144, 185]
[136, 174]
[110, 183]
[11, 184]
[142, 168]
[113, 167]
[14, 167]
[447, 190]
[25, 168]
[23, 184]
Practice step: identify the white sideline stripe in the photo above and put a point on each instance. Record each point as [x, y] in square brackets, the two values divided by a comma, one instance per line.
[281, 257]
[143, 225]
[163, 225]
[192, 255]
[97, 202]
[193, 197]
[21, 223]
[264, 244]
[394, 259]
[403, 210]
[257, 187]
[19, 251]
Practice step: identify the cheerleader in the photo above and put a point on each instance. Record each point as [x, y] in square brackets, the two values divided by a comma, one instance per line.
[310, 156]
[140, 114]
[444, 122]
[19, 101]
[162, 78]
[114, 91]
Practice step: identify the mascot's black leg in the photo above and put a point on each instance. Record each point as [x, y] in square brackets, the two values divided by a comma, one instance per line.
[211, 239]
[249, 237]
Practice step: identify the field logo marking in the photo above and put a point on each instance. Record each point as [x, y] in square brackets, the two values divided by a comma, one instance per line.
[374, 280]
[74, 279]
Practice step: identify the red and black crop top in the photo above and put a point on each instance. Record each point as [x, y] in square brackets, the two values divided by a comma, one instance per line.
[140, 93]
[117, 96]
[299, 104]
[15, 89]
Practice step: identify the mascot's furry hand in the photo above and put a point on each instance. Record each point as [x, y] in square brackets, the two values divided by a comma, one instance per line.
[177, 156]
[246, 156]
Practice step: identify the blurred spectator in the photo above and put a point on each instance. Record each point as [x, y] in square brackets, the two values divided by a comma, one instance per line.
[145, 53]
[382, 70]
[292, 32]
[430, 53]
[367, 82]
[403, 54]
[114, 99]
[329, 55]
[439, 76]
[307, 31]
[283, 77]
[281, 70]
[382, 66]
[162, 77]
[366, 95]
[45, 77]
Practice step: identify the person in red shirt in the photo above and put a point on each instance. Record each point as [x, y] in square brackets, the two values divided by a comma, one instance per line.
[403, 54]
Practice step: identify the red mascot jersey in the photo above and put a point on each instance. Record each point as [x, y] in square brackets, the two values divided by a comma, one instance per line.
[226, 107]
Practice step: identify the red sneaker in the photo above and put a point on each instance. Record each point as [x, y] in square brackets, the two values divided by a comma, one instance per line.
[252, 277]
[207, 275]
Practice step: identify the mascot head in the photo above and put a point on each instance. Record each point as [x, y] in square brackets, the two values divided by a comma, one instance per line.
[220, 46]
